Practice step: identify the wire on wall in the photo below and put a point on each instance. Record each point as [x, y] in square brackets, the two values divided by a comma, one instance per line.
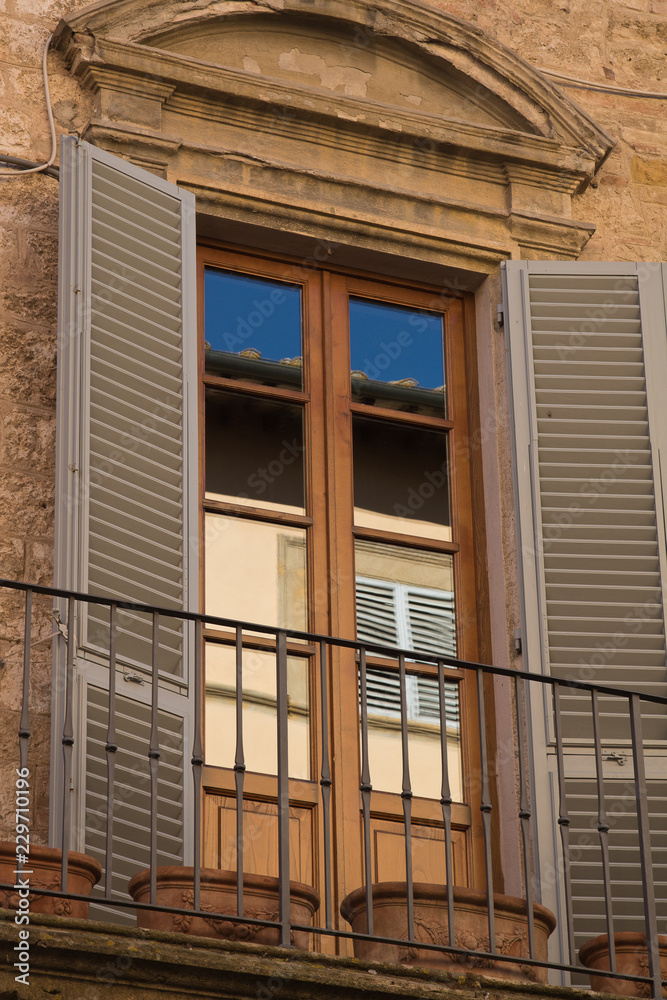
[575, 81]
[20, 169]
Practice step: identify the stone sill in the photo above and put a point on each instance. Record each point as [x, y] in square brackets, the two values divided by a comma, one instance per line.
[89, 960]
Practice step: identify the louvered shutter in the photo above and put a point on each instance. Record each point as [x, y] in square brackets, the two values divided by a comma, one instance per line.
[588, 367]
[127, 482]
[376, 611]
[411, 618]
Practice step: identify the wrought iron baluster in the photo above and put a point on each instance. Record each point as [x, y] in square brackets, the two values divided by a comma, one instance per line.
[564, 822]
[111, 748]
[239, 771]
[154, 755]
[486, 808]
[197, 762]
[652, 943]
[603, 830]
[366, 788]
[406, 796]
[525, 818]
[68, 744]
[283, 790]
[24, 724]
[446, 803]
[325, 784]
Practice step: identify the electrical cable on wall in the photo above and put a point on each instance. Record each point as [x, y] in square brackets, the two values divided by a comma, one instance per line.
[605, 88]
[20, 169]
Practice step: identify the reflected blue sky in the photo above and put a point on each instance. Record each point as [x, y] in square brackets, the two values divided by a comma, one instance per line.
[388, 343]
[242, 312]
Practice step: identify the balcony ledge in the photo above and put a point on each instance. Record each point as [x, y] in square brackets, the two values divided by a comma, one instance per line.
[89, 960]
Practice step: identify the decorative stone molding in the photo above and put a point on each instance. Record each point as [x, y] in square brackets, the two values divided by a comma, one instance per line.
[398, 117]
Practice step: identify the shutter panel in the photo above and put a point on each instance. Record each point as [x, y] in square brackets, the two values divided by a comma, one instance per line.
[376, 611]
[431, 621]
[412, 618]
[624, 858]
[131, 828]
[126, 517]
[588, 368]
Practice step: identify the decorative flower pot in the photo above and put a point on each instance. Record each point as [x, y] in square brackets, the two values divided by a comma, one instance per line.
[432, 925]
[631, 957]
[43, 872]
[175, 887]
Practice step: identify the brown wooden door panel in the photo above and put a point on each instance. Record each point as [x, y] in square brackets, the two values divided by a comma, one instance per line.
[260, 837]
[428, 853]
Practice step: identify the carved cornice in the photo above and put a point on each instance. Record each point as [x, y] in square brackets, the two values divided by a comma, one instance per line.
[115, 49]
[486, 61]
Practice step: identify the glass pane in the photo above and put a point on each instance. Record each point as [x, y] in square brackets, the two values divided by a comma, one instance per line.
[254, 452]
[259, 711]
[255, 571]
[252, 328]
[405, 598]
[401, 479]
[385, 746]
[397, 357]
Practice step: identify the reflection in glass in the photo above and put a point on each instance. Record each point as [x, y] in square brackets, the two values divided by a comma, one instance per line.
[254, 451]
[259, 710]
[255, 571]
[397, 357]
[405, 599]
[401, 478]
[252, 328]
[423, 718]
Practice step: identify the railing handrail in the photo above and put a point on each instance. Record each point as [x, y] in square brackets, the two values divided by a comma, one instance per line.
[315, 637]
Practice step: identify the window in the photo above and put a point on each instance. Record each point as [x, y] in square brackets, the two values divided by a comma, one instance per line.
[336, 500]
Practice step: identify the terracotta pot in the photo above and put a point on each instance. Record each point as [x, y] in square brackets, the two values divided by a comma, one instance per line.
[43, 872]
[631, 957]
[432, 925]
[218, 895]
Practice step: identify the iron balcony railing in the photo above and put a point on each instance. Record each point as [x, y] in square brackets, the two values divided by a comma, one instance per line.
[600, 706]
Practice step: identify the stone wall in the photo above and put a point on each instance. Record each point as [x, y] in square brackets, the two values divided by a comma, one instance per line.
[613, 43]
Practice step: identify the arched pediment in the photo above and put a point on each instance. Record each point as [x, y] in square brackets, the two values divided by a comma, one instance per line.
[332, 55]
[396, 94]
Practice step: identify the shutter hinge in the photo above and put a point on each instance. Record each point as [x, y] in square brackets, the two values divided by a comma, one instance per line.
[517, 642]
[60, 625]
[500, 316]
[133, 678]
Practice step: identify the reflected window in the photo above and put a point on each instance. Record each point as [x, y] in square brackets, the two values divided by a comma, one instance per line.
[255, 571]
[401, 478]
[397, 357]
[252, 329]
[259, 711]
[405, 598]
[385, 745]
[254, 452]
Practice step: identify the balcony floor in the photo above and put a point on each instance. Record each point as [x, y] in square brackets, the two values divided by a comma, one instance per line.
[89, 960]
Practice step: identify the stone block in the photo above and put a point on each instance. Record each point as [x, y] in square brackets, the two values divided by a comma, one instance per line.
[29, 441]
[27, 505]
[39, 563]
[652, 172]
[12, 557]
[29, 372]
[21, 43]
[31, 304]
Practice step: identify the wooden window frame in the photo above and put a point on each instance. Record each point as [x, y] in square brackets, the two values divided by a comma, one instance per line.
[327, 439]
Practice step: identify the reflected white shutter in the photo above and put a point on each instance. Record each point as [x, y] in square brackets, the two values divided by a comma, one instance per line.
[588, 368]
[127, 467]
[408, 617]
